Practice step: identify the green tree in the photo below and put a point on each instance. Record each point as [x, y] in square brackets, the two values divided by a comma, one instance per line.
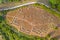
[55, 4]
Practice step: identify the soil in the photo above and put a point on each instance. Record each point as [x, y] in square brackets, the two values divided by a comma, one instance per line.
[33, 20]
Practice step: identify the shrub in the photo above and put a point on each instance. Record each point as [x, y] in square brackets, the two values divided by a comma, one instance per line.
[55, 4]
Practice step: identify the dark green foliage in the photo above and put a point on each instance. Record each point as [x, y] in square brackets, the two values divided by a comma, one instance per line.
[1, 18]
[55, 4]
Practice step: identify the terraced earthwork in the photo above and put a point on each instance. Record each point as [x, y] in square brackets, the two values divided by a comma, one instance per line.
[33, 20]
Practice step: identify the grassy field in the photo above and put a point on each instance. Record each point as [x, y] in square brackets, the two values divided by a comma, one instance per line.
[10, 33]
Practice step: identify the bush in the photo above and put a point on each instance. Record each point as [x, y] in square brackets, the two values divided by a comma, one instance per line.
[55, 4]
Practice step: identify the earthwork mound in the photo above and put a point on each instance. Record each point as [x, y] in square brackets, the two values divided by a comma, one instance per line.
[32, 20]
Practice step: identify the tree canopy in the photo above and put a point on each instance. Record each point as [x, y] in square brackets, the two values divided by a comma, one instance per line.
[55, 4]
